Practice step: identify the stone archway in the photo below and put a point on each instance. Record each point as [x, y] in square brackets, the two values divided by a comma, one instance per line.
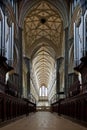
[43, 23]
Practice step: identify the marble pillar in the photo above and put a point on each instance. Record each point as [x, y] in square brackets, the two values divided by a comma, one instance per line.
[66, 58]
[58, 62]
[27, 62]
[20, 62]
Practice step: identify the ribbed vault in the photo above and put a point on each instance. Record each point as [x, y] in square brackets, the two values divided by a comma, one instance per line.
[43, 32]
[43, 64]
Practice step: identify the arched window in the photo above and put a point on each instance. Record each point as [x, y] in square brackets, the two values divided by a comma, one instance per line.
[43, 91]
[40, 92]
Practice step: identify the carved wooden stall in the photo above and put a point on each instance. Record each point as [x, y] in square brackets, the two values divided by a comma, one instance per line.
[11, 106]
[4, 68]
[75, 105]
[31, 105]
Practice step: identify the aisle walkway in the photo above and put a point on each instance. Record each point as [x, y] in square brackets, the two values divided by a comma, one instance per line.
[43, 121]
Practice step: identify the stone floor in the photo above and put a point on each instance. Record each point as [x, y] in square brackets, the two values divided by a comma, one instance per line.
[43, 121]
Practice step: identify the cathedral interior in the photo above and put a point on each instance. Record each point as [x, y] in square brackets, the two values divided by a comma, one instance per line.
[43, 64]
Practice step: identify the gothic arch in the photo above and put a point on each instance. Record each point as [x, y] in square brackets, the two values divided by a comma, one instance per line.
[38, 43]
[32, 46]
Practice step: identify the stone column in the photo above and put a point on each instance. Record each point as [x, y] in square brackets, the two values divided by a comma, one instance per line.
[58, 62]
[76, 43]
[27, 62]
[20, 62]
[66, 61]
[83, 4]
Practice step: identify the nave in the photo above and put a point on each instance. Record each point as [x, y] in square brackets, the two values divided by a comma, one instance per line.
[43, 121]
[43, 64]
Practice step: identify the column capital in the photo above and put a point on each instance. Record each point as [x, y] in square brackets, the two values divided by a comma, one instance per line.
[27, 59]
[20, 28]
[66, 28]
[27, 62]
[59, 61]
[59, 58]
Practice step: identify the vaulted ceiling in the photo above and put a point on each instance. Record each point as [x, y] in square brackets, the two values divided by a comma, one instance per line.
[43, 35]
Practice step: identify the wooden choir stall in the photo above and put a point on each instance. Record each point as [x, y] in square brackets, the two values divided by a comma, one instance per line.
[75, 104]
[11, 105]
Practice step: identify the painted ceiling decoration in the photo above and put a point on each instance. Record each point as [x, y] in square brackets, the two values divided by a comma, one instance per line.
[43, 22]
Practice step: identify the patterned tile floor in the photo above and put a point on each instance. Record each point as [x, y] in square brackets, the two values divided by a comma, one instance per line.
[43, 121]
